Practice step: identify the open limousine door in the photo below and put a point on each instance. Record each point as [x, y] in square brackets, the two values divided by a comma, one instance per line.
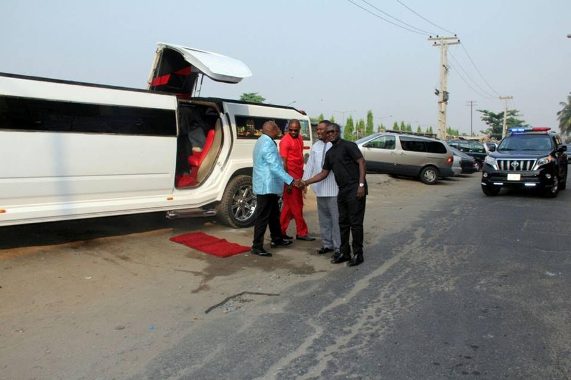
[177, 69]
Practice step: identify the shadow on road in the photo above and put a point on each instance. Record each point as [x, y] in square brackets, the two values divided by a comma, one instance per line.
[53, 233]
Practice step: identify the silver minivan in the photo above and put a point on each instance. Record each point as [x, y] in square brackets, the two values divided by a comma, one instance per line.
[408, 155]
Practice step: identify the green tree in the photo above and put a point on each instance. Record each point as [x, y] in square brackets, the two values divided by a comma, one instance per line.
[360, 128]
[320, 117]
[408, 127]
[332, 119]
[418, 129]
[402, 126]
[381, 128]
[564, 116]
[495, 122]
[252, 97]
[349, 129]
[396, 126]
[370, 123]
[429, 130]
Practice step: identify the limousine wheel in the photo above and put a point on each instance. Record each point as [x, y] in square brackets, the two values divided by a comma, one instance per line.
[429, 175]
[238, 203]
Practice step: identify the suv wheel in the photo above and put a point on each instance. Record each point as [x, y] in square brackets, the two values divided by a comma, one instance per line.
[429, 175]
[491, 190]
[238, 203]
[554, 190]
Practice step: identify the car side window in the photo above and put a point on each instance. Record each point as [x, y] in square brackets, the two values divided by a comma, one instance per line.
[436, 147]
[382, 142]
[477, 147]
[413, 145]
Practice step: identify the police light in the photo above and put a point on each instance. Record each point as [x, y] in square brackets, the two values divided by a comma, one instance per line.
[517, 130]
[540, 129]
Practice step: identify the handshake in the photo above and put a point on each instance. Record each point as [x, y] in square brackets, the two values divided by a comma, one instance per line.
[299, 183]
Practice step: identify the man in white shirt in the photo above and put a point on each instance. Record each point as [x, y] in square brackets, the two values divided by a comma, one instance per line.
[325, 191]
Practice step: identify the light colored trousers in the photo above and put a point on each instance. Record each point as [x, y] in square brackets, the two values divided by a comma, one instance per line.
[328, 214]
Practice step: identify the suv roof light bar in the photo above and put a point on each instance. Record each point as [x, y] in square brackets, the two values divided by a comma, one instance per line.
[517, 130]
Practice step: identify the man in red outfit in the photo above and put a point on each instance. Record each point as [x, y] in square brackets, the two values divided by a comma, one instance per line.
[291, 150]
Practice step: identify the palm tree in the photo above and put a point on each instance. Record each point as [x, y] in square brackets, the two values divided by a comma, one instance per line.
[564, 116]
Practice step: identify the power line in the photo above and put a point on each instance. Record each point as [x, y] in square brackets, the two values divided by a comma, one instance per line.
[484, 91]
[463, 47]
[396, 19]
[469, 85]
[481, 76]
[384, 19]
[422, 17]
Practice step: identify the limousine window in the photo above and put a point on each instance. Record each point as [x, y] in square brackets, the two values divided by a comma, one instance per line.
[29, 114]
[250, 127]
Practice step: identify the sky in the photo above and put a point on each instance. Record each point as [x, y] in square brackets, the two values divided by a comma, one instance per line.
[322, 56]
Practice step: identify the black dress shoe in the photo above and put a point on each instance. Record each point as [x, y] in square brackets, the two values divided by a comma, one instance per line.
[338, 259]
[305, 238]
[324, 250]
[286, 237]
[280, 243]
[260, 252]
[356, 260]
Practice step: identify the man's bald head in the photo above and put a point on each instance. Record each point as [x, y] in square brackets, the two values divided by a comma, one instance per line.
[271, 129]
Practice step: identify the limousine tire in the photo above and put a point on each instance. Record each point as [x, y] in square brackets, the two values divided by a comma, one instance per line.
[238, 203]
[429, 175]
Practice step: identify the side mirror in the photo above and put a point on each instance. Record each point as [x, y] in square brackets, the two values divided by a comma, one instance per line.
[492, 148]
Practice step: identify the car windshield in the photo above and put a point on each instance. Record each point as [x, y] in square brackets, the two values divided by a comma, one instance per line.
[526, 143]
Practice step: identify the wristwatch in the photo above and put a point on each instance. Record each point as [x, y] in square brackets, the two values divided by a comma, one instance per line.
[361, 184]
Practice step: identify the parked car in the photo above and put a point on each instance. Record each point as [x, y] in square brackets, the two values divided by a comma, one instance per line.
[80, 150]
[467, 163]
[472, 148]
[568, 150]
[407, 155]
[456, 165]
[527, 158]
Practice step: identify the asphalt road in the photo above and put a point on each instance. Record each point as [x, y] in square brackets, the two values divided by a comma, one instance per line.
[475, 287]
[454, 285]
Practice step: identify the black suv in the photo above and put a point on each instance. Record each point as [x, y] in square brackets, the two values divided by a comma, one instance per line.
[471, 148]
[527, 158]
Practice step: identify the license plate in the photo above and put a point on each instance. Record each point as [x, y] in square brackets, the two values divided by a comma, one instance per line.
[514, 177]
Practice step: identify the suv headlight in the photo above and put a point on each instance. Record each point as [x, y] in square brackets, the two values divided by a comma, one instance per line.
[543, 161]
[491, 161]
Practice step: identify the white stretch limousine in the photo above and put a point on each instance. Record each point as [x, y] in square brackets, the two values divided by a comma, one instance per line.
[72, 150]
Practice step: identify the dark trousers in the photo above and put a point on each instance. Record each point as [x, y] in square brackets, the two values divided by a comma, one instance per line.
[351, 216]
[267, 213]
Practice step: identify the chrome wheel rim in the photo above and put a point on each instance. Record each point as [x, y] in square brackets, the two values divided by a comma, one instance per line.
[430, 175]
[243, 203]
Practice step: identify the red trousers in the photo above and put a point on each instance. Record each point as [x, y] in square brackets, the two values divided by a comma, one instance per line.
[292, 208]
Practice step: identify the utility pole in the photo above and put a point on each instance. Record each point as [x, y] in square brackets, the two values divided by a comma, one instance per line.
[443, 42]
[505, 127]
[471, 103]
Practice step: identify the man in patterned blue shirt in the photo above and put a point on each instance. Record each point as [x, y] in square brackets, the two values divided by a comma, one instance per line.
[268, 180]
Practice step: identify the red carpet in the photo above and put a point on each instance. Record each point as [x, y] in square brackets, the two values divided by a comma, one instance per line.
[210, 244]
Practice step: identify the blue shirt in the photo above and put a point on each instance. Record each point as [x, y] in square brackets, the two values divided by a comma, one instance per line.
[269, 174]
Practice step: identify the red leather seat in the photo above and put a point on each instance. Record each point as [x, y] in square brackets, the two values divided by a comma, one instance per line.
[195, 160]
